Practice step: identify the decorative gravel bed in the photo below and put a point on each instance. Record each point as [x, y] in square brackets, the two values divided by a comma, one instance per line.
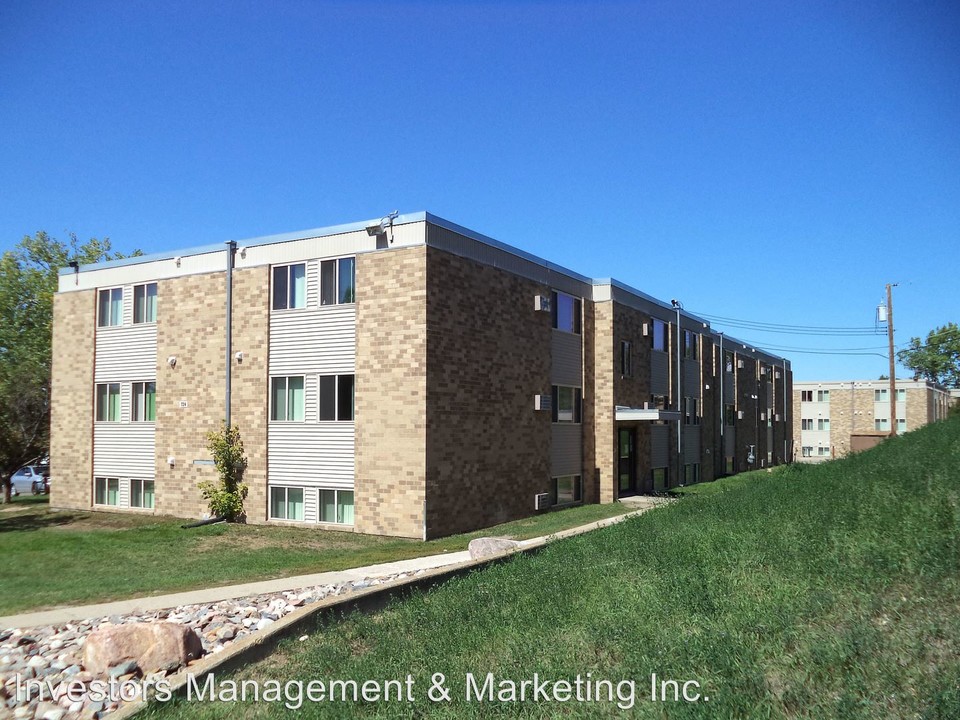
[38, 664]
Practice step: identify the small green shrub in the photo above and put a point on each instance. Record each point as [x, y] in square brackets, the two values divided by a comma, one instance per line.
[225, 497]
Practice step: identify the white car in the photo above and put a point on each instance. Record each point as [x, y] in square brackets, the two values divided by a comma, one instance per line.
[30, 479]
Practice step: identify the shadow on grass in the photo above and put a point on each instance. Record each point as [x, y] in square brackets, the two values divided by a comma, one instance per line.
[37, 520]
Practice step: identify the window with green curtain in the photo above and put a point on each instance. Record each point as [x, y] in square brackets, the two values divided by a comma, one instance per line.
[345, 507]
[116, 306]
[294, 503]
[295, 398]
[148, 493]
[298, 286]
[150, 401]
[113, 491]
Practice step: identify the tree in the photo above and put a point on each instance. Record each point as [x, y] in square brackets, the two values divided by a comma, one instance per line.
[937, 359]
[28, 280]
[226, 497]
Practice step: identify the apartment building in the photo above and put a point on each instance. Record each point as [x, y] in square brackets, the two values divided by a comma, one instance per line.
[405, 377]
[835, 418]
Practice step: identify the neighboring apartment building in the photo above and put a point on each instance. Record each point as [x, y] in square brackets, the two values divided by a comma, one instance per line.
[833, 418]
[416, 379]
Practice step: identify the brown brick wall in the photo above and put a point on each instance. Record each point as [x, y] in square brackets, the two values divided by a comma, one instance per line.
[710, 448]
[488, 354]
[71, 399]
[391, 392]
[746, 429]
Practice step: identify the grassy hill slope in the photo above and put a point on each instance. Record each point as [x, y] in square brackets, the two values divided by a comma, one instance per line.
[813, 591]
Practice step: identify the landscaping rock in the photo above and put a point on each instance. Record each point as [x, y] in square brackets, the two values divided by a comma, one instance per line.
[488, 547]
[158, 646]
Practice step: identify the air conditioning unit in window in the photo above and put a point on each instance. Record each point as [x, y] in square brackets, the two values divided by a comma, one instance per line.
[763, 416]
[763, 371]
[740, 364]
[739, 414]
[542, 402]
[541, 303]
[541, 501]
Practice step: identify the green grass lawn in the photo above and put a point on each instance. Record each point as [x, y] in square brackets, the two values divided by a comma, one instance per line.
[52, 558]
[827, 591]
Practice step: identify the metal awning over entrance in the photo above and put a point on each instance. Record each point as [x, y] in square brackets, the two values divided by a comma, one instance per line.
[631, 413]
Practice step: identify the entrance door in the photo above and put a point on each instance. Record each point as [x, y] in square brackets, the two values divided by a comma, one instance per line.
[626, 460]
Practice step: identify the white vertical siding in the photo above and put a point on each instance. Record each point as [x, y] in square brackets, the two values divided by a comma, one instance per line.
[124, 494]
[313, 340]
[124, 449]
[311, 454]
[313, 283]
[311, 505]
[566, 449]
[566, 359]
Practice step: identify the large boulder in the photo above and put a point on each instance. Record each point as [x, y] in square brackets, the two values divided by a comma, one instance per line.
[487, 547]
[155, 647]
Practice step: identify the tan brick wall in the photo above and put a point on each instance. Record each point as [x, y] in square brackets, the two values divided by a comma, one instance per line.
[391, 392]
[488, 354]
[250, 394]
[71, 399]
[190, 322]
[603, 417]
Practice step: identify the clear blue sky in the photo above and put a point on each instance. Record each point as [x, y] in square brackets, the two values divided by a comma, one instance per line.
[770, 161]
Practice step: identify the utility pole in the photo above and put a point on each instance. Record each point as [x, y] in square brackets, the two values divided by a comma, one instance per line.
[893, 361]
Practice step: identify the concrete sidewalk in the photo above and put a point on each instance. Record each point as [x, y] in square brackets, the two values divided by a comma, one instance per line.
[228, 592]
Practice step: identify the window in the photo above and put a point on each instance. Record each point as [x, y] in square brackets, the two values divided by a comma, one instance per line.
[566, 312]
[108, 402]
[659, 335]
[336, 397]
[806, 396]
[286, 503]
[880, 396]
[881, 424]
[823, 423]
[141, 493]
[901, 395]
[659, 478]
[626, 358]
[660, 402]
[729, 415]
[290, 286]
[566, 404]
[901, 425]
[567, 489]
[691, 341]
[823, 451]
[691, 473]
[144, 402]
[287, 398]
[338, 281]
[806, 451]
[728, 361]
[806, 424]
[110, 307]
[336, 506]
[106, 491]
[691, 415]
[145, 303]
[823, 396]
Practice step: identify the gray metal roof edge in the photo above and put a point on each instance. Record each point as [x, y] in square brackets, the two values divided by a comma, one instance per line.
[249, 242]
[480, 237]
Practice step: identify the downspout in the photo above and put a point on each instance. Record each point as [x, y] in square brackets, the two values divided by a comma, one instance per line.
[680, 474]
[231, 249]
